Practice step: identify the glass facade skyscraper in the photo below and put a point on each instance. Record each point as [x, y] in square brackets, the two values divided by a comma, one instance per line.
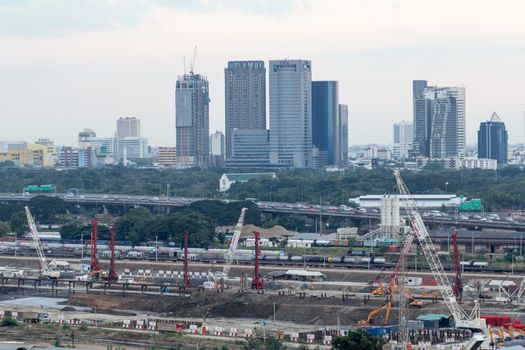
[493, 140]
[291, 113]
[325, 122]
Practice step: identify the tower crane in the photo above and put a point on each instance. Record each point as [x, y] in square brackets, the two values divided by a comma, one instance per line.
[44, 266]
[462, 319]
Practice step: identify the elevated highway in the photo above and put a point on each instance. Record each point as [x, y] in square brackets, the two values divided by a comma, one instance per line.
[269, 207]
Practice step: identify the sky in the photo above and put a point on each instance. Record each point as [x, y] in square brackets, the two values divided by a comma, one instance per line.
[67, 65]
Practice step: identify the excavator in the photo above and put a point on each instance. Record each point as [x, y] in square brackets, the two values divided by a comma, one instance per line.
[372, 313]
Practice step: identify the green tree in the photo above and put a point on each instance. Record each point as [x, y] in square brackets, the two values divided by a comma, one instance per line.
[46, 209]
[8, 321]
[18, 222]
[4, 228]
[358, 340]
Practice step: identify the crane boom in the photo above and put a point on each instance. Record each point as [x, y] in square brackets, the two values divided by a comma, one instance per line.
[461, 317]
[234, 242]
[46, 271]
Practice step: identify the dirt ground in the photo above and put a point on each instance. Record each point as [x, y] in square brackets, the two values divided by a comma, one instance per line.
[307, 311]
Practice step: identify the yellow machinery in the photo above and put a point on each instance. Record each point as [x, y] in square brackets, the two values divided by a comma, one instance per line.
[372, 313]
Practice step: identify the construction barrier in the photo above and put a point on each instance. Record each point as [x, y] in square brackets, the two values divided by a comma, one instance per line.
[247, 333]
[193, 328]
[74, 321]
[233, 332]
[140, 324]
[152, 325]
[327, 340]
[126, 323]
[294, 337]
[218, 331]
[310, 338]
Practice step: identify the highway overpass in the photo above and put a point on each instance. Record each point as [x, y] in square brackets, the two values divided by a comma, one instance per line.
[269, 207]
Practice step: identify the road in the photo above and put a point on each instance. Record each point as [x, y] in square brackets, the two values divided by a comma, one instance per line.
[271, 207]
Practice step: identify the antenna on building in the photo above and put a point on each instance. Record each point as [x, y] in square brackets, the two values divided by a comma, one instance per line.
[184, 60]
[192, 65]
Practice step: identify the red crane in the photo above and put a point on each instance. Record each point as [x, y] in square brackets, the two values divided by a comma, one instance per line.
[457, 287]
[257, 282]
[95, 266]
[112, 277]
[187, 281]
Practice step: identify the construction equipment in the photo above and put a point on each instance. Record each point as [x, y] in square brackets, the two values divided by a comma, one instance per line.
[45, 270]
[257, 282]
[457, 287]
[187, 281]
[234, 243]
[112, 276]
[96, 272]
[372, 313]
[461, 317]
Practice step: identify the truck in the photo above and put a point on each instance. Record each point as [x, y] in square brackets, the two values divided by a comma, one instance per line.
[36, 317]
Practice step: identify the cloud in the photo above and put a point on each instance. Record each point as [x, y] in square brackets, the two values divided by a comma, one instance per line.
[61, 17]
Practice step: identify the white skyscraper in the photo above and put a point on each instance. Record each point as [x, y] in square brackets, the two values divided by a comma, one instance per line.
[128, 127]
[403, 138]
[291, 113]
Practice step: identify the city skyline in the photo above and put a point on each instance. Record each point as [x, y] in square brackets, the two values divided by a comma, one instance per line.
[82, 74]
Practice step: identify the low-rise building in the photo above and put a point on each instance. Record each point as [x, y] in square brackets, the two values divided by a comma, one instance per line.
[227, 180]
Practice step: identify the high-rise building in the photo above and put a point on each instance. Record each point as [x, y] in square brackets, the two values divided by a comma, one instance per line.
[493, 140]
[403, 138]
[192, 120]
[217, 149]
[325, 122]
[439, 121]
[128, 127]
[343, 131]
[291, 113]
[250, 148]
[85, 137]
[245, 97]
[217, 144]
[131, 148]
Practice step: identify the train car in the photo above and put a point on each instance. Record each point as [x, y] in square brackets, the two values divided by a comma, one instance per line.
[379, 261]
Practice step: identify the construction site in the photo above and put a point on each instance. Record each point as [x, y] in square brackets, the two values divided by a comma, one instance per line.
[230, 301]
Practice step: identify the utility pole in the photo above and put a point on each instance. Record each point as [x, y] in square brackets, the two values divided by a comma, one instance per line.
[156, 249]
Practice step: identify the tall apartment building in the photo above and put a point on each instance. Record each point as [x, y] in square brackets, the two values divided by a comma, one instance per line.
[403, 138]
[128, 127]
[325, 122]
[343, 133]
[291, 113]
[192, 120]
[439, 120]
[245, 97]
[167, 156]
[493, 140]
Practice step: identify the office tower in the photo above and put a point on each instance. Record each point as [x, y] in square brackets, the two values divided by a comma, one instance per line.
[128, 127]
[493, 140]
[245, 97]
[325, 122]
[403, 138]
[250, 148]
[439, 121]
[192, 120]
[291, 113]
[343, 134]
